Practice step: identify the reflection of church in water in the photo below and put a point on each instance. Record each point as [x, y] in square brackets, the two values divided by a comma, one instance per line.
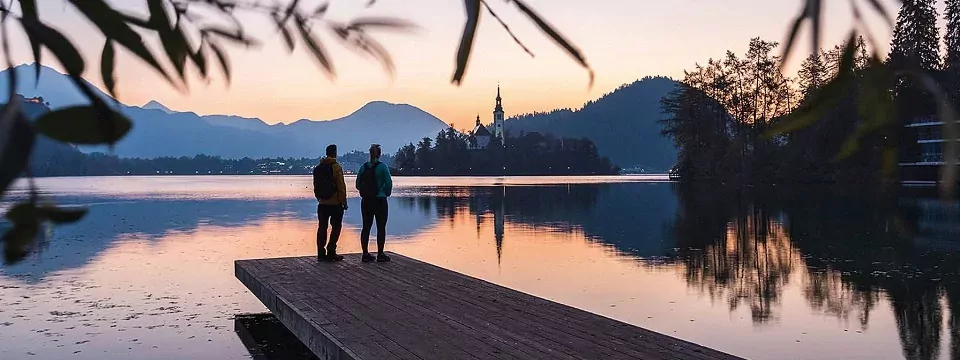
[496, 208]
[481, 137]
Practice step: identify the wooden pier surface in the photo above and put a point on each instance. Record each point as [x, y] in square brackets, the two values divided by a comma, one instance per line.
[408, 309]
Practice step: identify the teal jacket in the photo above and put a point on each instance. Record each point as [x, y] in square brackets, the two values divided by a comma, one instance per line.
[383, 178]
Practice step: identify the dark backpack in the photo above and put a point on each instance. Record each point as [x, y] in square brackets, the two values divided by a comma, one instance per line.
[323, 187]
[368, 185]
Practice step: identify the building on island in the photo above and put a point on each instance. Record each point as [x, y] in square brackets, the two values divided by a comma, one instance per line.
[480, 136]
[925, 165]
[498, 117]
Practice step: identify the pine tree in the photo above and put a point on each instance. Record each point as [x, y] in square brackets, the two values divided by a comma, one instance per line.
[812, 74]
[951, 64]
[916, 40]
[915, 47]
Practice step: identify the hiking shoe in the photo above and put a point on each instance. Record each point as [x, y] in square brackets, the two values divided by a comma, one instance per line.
[383, 258]
[367, 258]
[334, 257]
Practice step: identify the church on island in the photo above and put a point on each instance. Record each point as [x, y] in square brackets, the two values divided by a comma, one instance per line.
[480, 137]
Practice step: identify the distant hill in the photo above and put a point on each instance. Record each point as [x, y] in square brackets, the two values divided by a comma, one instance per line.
[159, 131]
[623, 124]
[55, 88]
[155, 105]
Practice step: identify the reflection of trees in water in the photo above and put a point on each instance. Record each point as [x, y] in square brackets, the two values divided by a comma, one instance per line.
[743, 260]
[552, 206]
[826, 291]
[847, 250]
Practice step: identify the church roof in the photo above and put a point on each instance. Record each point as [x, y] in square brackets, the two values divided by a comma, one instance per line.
[480, 130]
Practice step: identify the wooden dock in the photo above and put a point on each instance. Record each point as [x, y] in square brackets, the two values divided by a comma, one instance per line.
[408, 309]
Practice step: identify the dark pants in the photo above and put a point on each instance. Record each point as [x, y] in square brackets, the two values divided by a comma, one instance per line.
[373, 208]
[332, 214]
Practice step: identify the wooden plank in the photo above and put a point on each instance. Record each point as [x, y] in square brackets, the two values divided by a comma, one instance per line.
[551, 326]
[408, 309]
[560, 316]
[563, 344]
[407, 318]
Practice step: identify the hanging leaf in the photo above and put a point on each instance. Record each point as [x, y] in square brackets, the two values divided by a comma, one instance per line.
[107, 61]
[80, 125]
[234, 36]
[287, 36]
[321, 10]
[381, 22]
[553, 34]
[18, 146]
[200, 59]
[29, 10]
[111, 23]
[175, 45]
[59, 215]
[882, 10]
[61, 48]
[507, 28]
[472, 8]
[222, 58]
[315, 47]
[792, 37]
[18, 240]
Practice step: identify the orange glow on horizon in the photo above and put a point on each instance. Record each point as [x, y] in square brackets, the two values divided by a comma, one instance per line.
[622, 40]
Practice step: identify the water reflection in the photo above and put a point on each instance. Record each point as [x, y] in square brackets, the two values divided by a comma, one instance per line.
[846, 254]
[762, 273]
[848, 250]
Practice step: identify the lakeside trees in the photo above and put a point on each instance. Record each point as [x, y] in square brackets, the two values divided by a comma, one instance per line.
[527, 154]
[745, 121]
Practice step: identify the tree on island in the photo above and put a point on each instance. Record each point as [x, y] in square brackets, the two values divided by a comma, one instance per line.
[528, 154]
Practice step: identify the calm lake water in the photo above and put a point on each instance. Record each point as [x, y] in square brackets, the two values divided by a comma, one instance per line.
[764, 274]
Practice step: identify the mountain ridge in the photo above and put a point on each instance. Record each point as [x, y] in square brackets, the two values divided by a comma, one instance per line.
[623, 124]
[159, 131]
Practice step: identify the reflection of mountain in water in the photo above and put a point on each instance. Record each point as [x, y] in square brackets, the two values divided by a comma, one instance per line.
[629, 217]
[111, 220]
[744, 247]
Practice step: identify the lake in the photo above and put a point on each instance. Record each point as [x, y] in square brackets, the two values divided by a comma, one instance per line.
[761, 273]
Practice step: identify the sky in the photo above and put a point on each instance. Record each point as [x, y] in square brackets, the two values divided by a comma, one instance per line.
[623, 40]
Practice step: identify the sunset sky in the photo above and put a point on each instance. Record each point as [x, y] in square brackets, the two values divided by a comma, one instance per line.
[622, 39]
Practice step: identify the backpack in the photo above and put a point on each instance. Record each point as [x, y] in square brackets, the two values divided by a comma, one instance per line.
[368, 185]
[323, 187]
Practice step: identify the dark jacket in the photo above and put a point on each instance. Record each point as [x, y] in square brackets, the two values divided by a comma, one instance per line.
[340, 197]
[384, 181]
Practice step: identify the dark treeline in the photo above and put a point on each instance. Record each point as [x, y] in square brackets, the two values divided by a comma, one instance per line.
[527, 154]
[721, 116]
[54, 159]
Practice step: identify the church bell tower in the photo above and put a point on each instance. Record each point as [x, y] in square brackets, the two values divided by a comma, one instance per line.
[498, 118]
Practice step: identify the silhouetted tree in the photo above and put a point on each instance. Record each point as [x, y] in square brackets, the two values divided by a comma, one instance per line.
[915, 45]
[951, 63]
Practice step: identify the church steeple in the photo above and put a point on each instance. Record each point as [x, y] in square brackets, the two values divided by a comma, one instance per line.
[498, 117]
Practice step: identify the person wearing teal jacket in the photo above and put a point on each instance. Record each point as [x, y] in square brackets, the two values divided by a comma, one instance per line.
[373, 203]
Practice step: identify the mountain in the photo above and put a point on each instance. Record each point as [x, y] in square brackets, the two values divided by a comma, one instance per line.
[159, 131]
[623, 124]
[56, 89]
[156, 133]
[154, 105]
